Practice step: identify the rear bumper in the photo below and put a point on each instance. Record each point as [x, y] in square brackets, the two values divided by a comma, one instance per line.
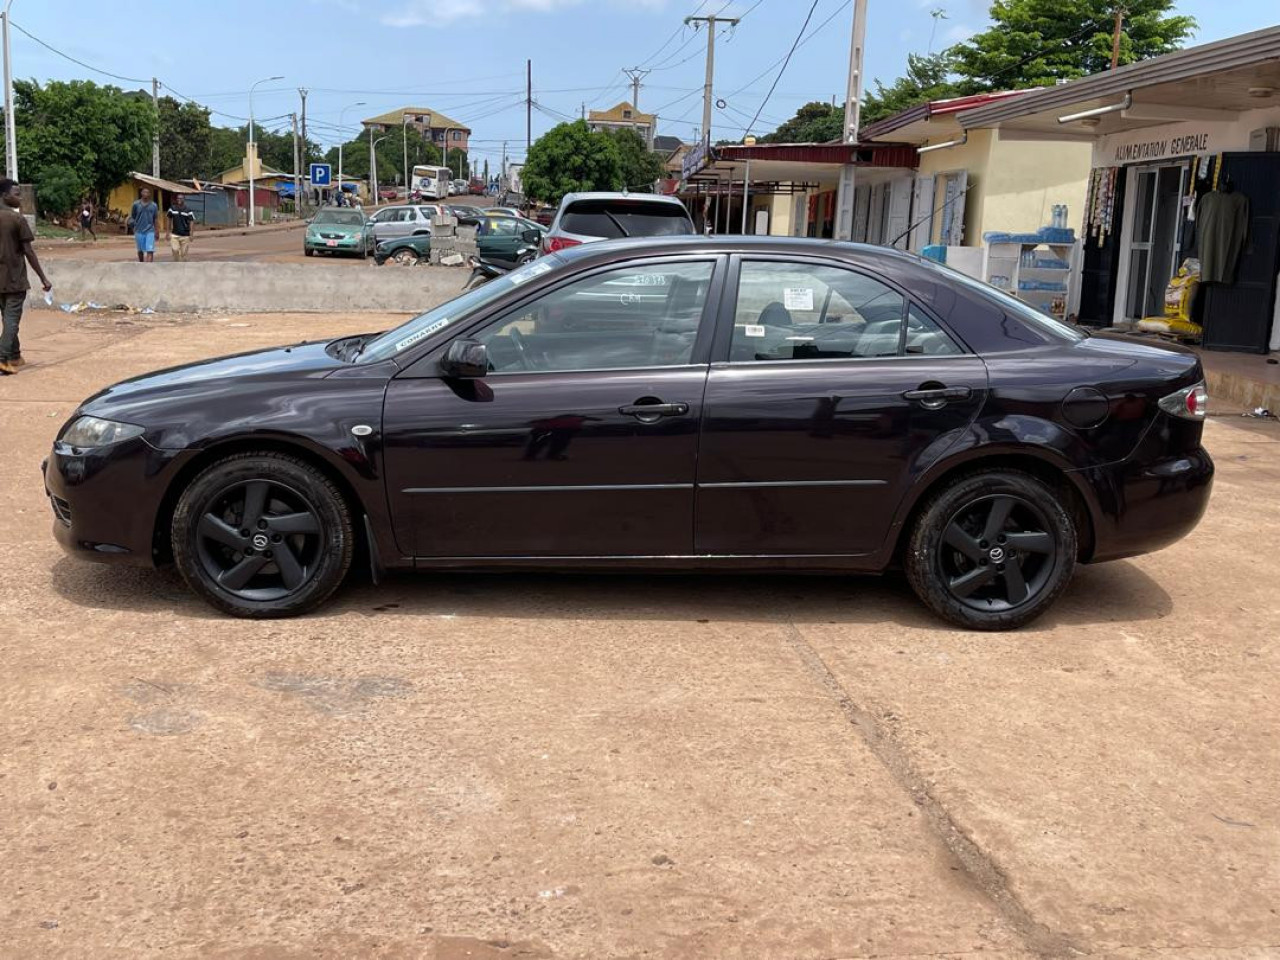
[1144, 506]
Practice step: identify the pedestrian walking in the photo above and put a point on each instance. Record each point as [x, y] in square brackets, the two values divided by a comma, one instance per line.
[16, 252]
[180, 221]
[86, 221]
[142, 221]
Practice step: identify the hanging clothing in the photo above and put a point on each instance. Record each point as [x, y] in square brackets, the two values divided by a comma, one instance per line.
[1222, 220]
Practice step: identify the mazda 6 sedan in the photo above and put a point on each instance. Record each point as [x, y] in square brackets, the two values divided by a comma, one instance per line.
[730, 404]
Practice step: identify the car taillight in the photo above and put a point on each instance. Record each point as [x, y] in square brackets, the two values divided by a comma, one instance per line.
[559, 243]
[1191, 403]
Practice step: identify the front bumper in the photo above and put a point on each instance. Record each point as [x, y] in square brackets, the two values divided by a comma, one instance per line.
[346, 243]
[105, 501]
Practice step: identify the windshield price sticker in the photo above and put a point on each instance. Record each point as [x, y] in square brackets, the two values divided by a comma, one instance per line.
[798, 298]
[754, 330]
[534, 269]
[422, 334]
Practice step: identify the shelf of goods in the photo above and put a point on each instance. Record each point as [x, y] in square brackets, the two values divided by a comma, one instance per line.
[1040, 273]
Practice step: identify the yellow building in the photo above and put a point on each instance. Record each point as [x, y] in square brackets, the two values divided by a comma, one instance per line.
[622, 116]
[968, 183]
[120, 200]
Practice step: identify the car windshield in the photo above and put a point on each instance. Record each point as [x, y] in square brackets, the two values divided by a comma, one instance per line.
[612, 219]
[1038, 320]
[347, 218]
[401, 338]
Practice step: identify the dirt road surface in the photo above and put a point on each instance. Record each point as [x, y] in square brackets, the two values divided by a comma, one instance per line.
[592, 767]
[271, 243]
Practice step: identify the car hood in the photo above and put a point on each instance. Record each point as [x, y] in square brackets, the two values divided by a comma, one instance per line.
[147, 400]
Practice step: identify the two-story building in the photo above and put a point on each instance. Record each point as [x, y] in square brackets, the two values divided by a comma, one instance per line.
[622, 116]
[435, 126]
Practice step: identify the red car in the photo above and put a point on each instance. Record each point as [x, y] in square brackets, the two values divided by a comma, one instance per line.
[476, 187]
[387, 193]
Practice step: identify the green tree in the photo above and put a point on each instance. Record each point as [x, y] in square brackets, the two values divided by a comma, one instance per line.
[815, 122]
[185, 138]
[100, 133]
[1035, 43]
[457, 162]
[58, 190]
[927, 78]
[355, 154]
[640, 166]
[569, 158]
[226, 149]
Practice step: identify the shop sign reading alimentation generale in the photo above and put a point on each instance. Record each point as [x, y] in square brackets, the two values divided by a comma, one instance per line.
[1160, 143]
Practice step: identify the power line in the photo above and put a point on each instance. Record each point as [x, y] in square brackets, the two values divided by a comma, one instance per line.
[67, 56]
[813, 33]
[804, 26]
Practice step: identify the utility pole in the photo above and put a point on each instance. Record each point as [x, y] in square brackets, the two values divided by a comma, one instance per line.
[155, 137]
[528, 106]
[636, 75]
[404, 139]
[302, 92]
[711, 22]
[852, 113]
[297, 168]
[1115, 36]
[10, 128]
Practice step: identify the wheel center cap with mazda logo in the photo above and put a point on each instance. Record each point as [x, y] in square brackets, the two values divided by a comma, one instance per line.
[260, 541]
[997, 554]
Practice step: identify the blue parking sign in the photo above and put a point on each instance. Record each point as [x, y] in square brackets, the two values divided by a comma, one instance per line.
[321, 174]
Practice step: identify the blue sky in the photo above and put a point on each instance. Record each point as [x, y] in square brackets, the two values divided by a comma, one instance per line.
[466, 57]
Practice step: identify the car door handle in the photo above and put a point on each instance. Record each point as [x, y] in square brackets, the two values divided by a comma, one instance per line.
[936, 394]
[653, 412]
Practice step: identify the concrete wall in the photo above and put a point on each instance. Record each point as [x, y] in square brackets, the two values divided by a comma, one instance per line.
[251, 287]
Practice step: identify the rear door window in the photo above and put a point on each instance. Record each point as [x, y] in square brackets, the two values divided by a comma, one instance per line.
[612, 219]
[799, 311]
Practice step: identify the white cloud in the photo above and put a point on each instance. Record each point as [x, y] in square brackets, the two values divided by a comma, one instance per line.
[422, 13]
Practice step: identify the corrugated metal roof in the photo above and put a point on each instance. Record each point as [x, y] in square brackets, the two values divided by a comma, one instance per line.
[161, 184]
[936, 108]
[1218, 57]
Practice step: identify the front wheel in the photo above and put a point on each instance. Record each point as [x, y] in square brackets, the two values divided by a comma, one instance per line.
[308, 251]
[992, 550]
[262, 535]
[405, 257]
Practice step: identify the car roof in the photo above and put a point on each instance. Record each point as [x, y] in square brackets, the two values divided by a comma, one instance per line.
[618, 195]
[696, 243]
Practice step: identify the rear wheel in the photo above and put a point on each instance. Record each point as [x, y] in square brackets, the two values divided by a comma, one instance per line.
[992, 550]
[262, 535]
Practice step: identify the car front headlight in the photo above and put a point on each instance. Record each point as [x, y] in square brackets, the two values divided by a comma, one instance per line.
[95, 432]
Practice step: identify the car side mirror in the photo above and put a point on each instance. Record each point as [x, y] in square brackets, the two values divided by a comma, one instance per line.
[531, 236]
[465, 359]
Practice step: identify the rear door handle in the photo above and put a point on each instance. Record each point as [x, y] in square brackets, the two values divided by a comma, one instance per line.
[653, 412]
[939, 393]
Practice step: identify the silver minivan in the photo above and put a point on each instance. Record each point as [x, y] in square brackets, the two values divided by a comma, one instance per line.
[390, 223]
[583, 217]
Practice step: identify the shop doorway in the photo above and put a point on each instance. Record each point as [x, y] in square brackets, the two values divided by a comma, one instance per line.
[1154, 243]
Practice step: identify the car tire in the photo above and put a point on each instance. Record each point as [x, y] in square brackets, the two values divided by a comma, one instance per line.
[992, 550]
[238, 520]
[404, 257]
[308, 251]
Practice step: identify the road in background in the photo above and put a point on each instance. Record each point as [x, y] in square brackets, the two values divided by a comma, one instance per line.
[269, 243]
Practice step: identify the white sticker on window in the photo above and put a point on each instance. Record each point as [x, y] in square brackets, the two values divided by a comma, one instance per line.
[754, 330]
[422, 334]
[528, 273]
[798, 298]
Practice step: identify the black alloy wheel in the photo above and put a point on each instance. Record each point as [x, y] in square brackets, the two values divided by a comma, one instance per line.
[992, 550]
[262, 535]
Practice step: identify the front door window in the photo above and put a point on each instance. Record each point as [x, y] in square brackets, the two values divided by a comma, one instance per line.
[631, 317]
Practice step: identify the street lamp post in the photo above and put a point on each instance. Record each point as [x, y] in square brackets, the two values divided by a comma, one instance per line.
[404, 138]
[10, 128]
[253, 153]
[373, 164]
[342, 114]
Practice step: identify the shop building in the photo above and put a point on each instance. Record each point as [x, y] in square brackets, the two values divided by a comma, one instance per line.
[1184, 164]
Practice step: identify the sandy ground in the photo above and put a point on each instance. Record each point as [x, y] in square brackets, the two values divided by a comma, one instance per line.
[590, 767]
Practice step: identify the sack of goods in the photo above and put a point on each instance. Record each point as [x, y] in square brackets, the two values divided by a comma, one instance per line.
[1179, 295]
